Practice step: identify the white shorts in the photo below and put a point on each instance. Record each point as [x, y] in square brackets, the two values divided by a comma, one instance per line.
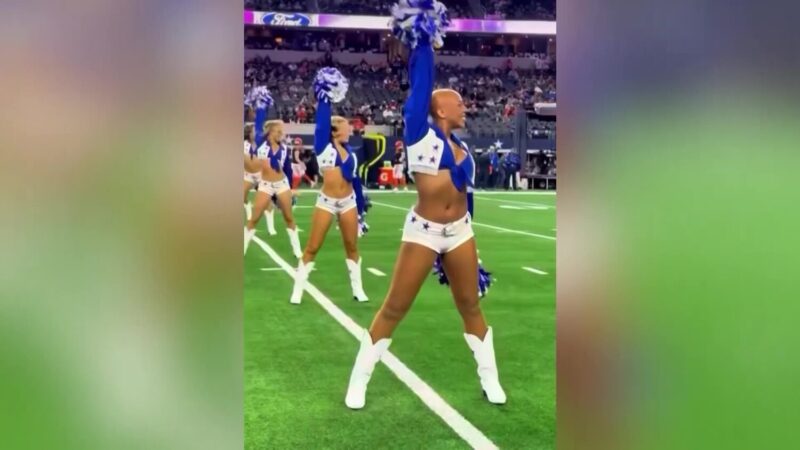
[398, 171]
[253, 178]
[273, 187]
[336, 206]
[441, 238]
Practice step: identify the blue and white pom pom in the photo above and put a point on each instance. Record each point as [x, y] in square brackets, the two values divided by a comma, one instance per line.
[259, 97]
[484, 277]
[330, 85]
[363, 228]
[417, 22]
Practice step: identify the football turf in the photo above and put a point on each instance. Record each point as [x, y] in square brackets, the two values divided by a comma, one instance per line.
[298, 358]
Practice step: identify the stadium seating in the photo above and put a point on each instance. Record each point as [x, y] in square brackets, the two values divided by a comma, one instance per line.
[486, 92]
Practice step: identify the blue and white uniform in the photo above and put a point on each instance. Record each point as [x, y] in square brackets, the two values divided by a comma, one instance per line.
[251, 177]
[428, 152]
[278, 160]
[329, 157]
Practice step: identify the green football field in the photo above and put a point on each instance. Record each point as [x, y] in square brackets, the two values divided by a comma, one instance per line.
[298, 358]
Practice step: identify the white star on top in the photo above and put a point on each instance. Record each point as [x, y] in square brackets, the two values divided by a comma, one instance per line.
[498, 145]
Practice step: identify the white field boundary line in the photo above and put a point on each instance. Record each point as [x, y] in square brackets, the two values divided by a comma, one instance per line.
[516, 202]
[471, 435]
[505, 230]
[375, 272]
[536, 271]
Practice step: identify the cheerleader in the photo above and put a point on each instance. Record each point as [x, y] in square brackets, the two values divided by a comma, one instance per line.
[438, 227]
[276, 171]
[256, 102]
[341, 195]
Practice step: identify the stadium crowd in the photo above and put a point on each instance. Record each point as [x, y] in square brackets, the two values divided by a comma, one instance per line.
[357, 41]
[492, 95]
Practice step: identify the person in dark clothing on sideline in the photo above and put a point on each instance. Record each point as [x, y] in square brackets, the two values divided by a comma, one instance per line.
[484, 165]
[511, 165]
[495, 159]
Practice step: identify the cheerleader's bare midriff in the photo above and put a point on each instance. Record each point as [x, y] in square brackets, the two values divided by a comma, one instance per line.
[334, 185]
[438, 200]
[272, 175]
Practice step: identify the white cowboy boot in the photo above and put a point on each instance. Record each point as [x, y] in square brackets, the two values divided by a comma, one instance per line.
[368, 355]
[300, 279]
[248, 236]
[294, 240]
[355, 280]
[487, 367]
[270, 214]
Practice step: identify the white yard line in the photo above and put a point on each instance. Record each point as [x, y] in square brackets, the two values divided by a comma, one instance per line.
[375, 272]
[270, 269]
[471, 435]
[505, 230]
[536, 271]
[516, 202]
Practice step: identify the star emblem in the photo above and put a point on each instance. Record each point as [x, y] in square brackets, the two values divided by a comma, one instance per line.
[420, 157]
[324, 199]
[426, 225]
[413, 219]
[498, 144]
[436, 147]
[433, 160]
[466, 220]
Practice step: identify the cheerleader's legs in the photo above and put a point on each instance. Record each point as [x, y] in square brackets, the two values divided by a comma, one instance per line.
[261, 203]
[348, 224]
[461, 267]
[284, 200]
[413, 265]
[320, 223]
[269, 213]
[248, 208]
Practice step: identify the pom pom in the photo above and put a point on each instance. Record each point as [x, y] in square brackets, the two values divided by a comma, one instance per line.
[484, 281]
[259, 97]
[330, 85]
[419, 22]
[438, 270]
[363, 228]
[484, 277]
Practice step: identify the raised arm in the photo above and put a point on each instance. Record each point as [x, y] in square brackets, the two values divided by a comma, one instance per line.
[322, 132]
[261, 100]
[421, 77]
[261, 118]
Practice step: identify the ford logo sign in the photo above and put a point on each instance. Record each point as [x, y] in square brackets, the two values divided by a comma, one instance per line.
[286, 20]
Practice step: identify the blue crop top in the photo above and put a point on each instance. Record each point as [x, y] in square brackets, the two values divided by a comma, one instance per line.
[278, 160]
[428, 147]
[328, 156]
